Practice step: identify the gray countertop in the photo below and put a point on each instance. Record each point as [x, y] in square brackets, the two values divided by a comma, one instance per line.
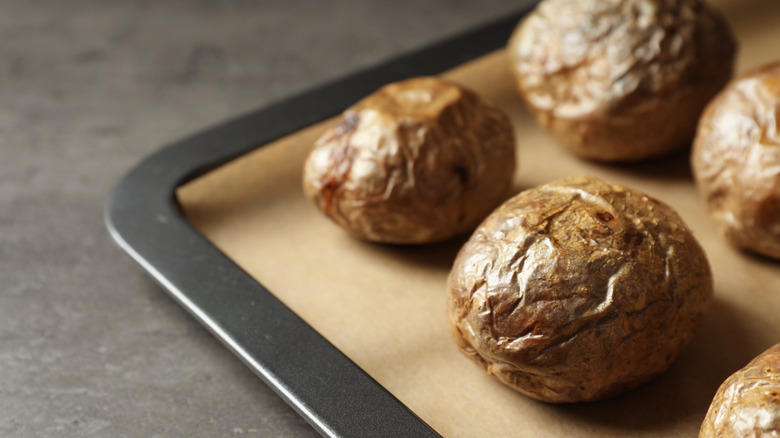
[89, 345]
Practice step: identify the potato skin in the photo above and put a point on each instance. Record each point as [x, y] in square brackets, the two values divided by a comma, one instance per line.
[621, 80]
[736, 160]
[418, 161]
[747, 404]
[578, 290]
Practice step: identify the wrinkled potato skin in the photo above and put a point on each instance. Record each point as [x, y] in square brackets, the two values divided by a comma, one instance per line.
[621, 80]
[418, 161]
[748, 402]
[736, 160]
[578, 290]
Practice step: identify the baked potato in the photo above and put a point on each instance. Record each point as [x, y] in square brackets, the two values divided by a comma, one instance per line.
[621, 80]
[418, 161]
[736, 160]
[578, 290]
[747, 404]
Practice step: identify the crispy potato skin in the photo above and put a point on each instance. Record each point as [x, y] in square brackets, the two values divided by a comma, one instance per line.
[736, 160]
[578, 290]
[418, 161]
[621, 80]
[747, 404]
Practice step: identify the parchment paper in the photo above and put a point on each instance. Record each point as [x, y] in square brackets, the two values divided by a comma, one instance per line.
[383, 306]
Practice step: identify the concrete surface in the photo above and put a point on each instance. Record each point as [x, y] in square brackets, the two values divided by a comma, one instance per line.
[89, 345]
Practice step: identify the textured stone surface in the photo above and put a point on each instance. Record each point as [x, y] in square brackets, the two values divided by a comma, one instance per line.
[89, 345]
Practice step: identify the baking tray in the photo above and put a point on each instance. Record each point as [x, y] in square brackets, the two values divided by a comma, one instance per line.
[333, 394]
[219, 220]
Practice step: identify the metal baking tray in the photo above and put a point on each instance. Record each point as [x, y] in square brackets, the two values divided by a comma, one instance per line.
[332, 393]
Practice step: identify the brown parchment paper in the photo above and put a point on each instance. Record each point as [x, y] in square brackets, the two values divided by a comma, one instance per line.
[383, 306]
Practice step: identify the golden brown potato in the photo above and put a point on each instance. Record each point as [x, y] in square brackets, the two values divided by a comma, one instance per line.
[578, 290]
[621, 80]
[747, 405]
[418, 161]
[736, 160]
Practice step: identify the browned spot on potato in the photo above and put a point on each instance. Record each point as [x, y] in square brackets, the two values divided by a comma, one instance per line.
[605, 216]
[768, 212]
